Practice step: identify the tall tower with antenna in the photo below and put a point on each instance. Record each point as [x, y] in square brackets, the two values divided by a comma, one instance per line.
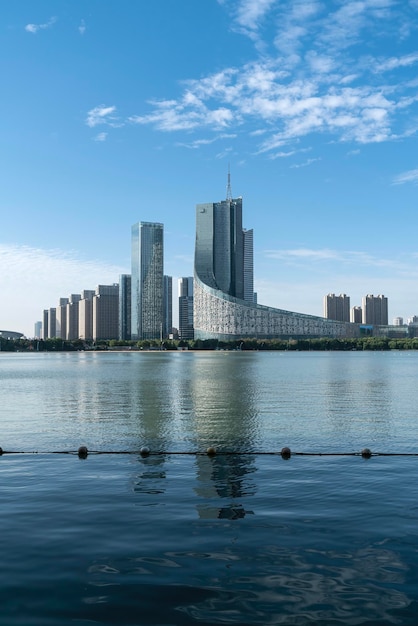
[228, 187]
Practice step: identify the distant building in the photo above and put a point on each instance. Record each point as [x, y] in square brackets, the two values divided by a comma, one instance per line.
[10, 334]
[412, 320]
[147, 280]
[356, 315]
[375, 310]
[72, 316]
[186, 330]
[45, 325]
[106, 312]
[167, 306]
[61, 318]
[398, 321]
[52, 322]
[337, 307]
[38, 330]
[125, 301]
[85, 314]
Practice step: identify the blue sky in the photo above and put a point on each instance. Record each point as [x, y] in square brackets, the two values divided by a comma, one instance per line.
[117, 112]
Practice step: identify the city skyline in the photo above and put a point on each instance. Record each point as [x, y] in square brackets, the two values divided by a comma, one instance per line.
[314, 105]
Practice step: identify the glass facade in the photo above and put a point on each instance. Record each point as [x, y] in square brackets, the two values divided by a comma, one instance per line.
[220, 245]
[223, 269]
[147, 280]
[186, 308]
[125, 297]
[168, 306]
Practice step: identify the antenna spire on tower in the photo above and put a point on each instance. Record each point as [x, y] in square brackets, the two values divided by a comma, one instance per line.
[228, 187]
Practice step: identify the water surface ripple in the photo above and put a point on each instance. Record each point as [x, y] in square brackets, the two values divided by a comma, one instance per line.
[182, 539]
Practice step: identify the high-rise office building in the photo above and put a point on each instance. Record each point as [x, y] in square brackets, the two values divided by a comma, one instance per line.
[168, 306]
[125, 300]
[147, 280]
[249, 295]
[219, 253]
[337, 307]
[375, 310]
[186, 330]
[106, 312]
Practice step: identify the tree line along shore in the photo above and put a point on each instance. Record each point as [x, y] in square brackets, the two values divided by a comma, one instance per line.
[320, 344]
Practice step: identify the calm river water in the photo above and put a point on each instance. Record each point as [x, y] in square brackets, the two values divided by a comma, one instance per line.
[181, 538]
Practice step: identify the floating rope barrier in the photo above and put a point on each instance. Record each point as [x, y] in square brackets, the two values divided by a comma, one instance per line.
[286, 453]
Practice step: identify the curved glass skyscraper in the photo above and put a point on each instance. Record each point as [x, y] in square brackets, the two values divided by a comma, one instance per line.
[222, 306]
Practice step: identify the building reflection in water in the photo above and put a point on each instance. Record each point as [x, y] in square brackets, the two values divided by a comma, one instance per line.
[224, 394]
[224, 485]
[152, 476]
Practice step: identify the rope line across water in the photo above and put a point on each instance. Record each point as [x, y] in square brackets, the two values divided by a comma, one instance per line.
[285, 452]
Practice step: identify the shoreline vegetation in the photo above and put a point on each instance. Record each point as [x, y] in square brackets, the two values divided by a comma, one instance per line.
[295, 345]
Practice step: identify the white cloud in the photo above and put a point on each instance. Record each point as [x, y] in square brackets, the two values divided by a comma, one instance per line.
[396, 62]
[101, 115]
[100, 137]
[313, 87]
[249, 17]
[33, 28]
[305, 163]
[198, 143]
[407, 177]
[44, 276]
[82, 27]
[344, 258]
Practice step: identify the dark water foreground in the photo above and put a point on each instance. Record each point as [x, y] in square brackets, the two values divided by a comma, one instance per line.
[186, 539]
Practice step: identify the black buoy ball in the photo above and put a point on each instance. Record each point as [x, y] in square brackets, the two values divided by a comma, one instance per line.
[286, 453]
[83, 452]
[366, 453]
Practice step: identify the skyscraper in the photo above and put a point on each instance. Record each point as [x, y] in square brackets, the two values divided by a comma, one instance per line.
[106, 312]
[45, 324]
[186, 308]
[147, 280]
[61, 318]
[72, 316]
[85, 314]
[125, 300]
[219, 308]
[219, 257]
[168, 305]
[52, 322]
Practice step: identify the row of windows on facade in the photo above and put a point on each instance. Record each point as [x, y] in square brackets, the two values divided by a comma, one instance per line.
[373, 310]
[105, 313]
